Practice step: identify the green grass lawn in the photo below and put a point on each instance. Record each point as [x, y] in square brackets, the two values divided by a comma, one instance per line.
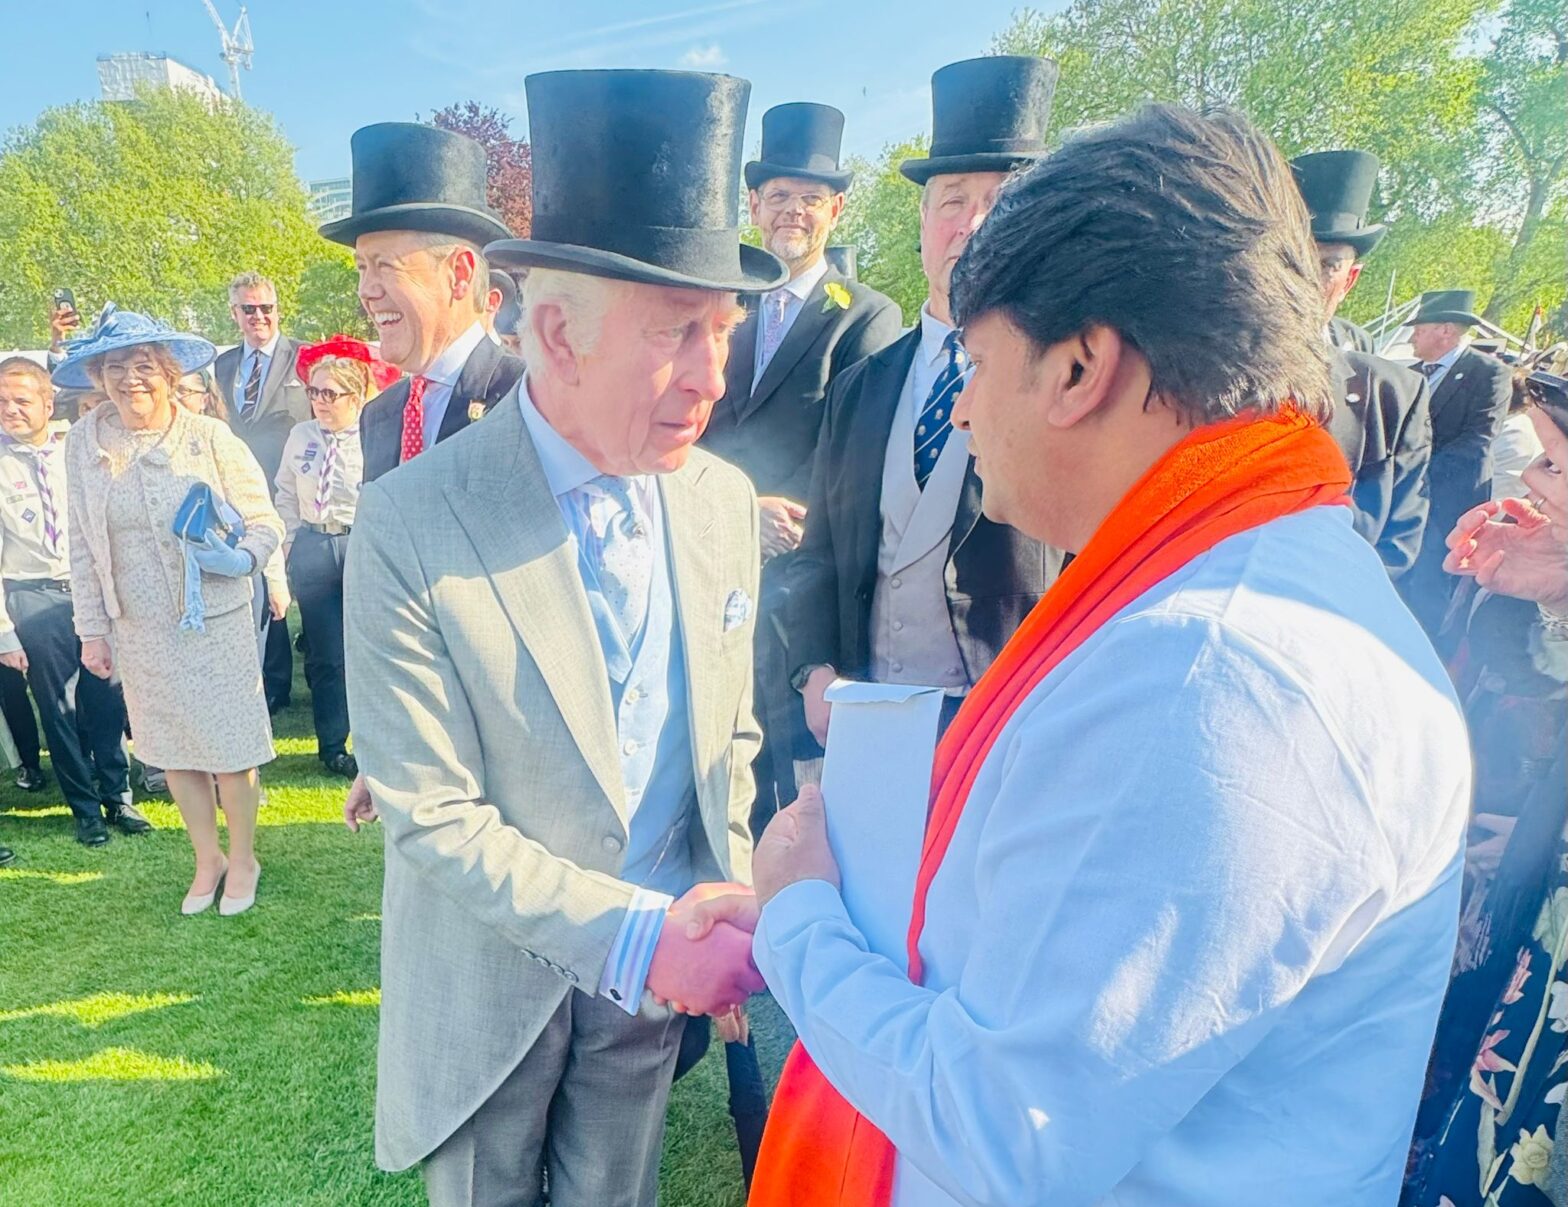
[150, 1058]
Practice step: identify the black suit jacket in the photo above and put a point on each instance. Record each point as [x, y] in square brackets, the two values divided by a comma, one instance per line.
[1383, 423]
[1346, 336]
[283, 403]
[995, 574]
[769, 427]
[488, 374]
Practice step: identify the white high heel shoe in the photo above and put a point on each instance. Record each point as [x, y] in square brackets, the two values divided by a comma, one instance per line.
[199, 903]
[230, 906]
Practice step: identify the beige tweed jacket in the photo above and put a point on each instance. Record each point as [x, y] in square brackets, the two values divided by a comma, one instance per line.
[482, 721]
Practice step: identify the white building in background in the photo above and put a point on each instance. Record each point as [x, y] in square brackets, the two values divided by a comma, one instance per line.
[121, 75]
[330, 199]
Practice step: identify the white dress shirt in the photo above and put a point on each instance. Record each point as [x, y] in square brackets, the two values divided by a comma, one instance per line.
[796, 292]
[442, 376]
[298, 496]
[1190, 939]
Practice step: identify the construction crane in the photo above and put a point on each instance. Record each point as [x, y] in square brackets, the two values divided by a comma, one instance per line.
[237, 47]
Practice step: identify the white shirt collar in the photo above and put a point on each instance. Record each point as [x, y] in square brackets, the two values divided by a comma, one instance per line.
[267, 349]
[448, 367]
[933, 331]
[807, 281]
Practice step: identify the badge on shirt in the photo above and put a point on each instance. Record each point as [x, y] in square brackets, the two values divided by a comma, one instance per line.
[29, 516]
[476, 410]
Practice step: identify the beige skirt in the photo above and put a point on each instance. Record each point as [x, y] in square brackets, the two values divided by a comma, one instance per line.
[195, 700]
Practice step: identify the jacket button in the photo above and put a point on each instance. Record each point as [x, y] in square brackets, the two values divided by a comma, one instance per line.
[611, 843]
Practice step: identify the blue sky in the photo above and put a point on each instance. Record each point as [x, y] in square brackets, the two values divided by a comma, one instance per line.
[325, 67]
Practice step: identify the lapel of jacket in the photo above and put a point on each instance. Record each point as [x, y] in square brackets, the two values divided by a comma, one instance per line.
[280, 367]
[809, 323]
[1446, 390]
[510, 514]
[871, 421]
[473, 385]
[381, 429]
[697, 556]
[743, 360]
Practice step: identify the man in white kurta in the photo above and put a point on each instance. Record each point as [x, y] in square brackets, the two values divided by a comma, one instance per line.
[1190, 937]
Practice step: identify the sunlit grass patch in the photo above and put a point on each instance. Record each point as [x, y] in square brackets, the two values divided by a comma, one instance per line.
[62, 878]
[346, 997]
[100, 1008]
[115, 1064]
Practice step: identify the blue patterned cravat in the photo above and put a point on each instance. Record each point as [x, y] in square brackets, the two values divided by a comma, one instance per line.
[936, 417]
[622, 555]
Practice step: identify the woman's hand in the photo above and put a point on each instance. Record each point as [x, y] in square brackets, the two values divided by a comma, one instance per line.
[1512, 548]
[97, 658]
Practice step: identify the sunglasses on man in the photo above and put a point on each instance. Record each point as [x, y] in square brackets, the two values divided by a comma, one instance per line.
[252, 309]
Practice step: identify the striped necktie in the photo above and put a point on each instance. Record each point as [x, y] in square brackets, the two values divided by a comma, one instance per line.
[252, 385]
[329, 470]
[935, 424]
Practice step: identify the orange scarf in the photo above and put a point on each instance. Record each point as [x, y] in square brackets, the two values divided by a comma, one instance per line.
[1220, 481]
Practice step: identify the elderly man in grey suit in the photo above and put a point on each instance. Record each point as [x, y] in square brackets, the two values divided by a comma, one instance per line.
[549, 664]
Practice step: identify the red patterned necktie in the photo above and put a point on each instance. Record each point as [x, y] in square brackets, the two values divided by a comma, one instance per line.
[414, 419]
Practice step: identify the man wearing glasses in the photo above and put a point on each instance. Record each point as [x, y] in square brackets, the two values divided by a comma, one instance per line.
[795, 341]
[266, 399]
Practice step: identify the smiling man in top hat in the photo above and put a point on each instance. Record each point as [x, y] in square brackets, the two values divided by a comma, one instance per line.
[1470, 396]
[418, 228]
[1383, 422]
[900, 578]
[549, 664]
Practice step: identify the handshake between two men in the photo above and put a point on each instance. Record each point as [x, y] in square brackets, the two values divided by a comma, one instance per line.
[702, 964]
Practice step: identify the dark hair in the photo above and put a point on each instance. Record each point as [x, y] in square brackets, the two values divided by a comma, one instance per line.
[1184, 233]
[21, 366]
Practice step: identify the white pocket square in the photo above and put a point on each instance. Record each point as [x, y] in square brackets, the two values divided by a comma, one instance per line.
[737, 610]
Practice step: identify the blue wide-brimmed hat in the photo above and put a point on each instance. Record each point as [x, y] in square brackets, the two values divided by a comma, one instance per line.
[116, 329]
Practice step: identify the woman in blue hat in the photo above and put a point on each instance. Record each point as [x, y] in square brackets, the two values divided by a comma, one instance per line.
[173, 616]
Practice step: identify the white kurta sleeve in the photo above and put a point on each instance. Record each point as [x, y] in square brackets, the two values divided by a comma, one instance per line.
[1163, 863]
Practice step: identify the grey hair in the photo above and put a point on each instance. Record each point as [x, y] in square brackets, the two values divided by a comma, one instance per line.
[250, 280]
[441, 246]
[583, 299]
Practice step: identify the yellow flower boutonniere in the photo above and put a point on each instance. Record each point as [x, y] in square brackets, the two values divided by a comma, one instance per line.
[837, 296]
[476, 410]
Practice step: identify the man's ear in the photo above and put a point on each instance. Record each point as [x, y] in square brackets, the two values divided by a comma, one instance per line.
[465, 268]
[552, 338]
[1085, 368]
[1352, 277]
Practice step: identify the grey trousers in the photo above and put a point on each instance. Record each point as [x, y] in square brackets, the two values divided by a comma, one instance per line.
[584, 1108]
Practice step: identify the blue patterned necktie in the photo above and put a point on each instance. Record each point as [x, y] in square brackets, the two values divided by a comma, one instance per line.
[1429, 369]
[622, 556]
[935, 424]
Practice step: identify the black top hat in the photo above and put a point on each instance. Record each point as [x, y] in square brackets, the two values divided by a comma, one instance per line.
[1447, 306]
[409, 177]
[842, 257]
[636, 176]
[800, 139]
[987, 115]
[1337, 187]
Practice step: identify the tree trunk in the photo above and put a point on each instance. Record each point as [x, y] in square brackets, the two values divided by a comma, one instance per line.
[1508, 289]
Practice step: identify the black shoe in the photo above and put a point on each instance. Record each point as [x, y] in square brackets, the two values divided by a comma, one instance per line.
[128, 819]
[7, 856]
[91, 832]
[343, 764]
[274, 707]
[31, 779]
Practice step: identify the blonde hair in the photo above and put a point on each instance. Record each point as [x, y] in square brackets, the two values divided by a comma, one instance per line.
[250, 280]
[348, 375]
[168, 368]
[582, 299]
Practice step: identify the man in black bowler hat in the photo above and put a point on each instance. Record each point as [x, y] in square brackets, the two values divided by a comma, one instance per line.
[418, 228]
[796, 339]
[900, 578]
[1382, 421]
[1470, 396]
[1337, 187]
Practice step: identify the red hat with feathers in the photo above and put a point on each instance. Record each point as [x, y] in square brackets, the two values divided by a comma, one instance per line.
[350, 348]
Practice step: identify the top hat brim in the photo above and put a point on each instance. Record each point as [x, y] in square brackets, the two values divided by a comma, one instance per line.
[1362, 240]
[1446, 316]
[758, 172]
[458, 221]
[190, 352]
[757, 272]
[921, 170]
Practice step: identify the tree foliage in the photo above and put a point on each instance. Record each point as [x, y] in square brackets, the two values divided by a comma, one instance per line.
[882, 222]
[154, 205]
[1465, 102]
[508, 161]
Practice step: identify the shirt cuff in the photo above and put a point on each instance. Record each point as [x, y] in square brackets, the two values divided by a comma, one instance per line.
[626, 971]
[10, 643]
